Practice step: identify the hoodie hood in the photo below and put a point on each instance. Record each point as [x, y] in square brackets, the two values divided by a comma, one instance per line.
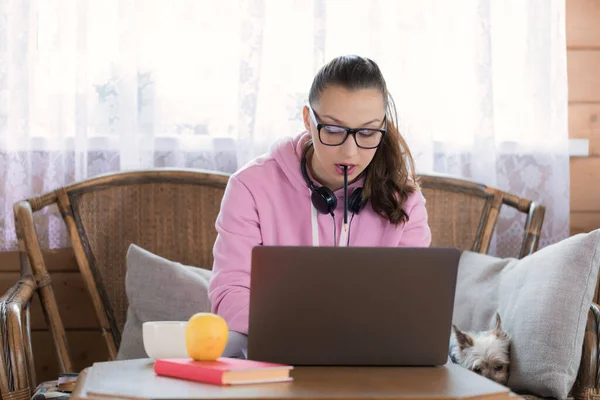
[287, 153]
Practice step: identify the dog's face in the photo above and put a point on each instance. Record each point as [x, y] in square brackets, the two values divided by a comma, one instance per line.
[486, 353]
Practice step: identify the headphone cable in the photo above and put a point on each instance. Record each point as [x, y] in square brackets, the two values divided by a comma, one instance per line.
[334, 231]
[349, 229]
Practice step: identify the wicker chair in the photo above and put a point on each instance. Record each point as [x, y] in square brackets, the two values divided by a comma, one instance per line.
[463, 214]
[172, 213]
[169, 212]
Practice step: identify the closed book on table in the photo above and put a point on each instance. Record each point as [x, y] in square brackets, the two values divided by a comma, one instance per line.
[223, 371]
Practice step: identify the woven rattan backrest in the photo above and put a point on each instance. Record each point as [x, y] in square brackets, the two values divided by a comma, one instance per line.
[172, 215]
[454, 218]
[461, 214]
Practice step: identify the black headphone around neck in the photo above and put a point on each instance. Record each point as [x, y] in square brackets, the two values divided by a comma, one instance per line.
[323, 199]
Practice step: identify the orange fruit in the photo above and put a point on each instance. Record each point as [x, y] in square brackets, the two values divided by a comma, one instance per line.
[206, 336]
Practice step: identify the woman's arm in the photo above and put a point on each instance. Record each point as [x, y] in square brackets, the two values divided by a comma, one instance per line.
[416, 231]
[238, 232]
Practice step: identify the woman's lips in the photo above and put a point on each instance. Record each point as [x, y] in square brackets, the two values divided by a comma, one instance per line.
[339, 168]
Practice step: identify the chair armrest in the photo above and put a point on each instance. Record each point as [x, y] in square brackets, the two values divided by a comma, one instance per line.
[533, 229]
[17, 372]
[587, 383]
[32, 263]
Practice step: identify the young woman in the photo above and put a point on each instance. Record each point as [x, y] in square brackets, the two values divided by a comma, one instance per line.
[294, 194]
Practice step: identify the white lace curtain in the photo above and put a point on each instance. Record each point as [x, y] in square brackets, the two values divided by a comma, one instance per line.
[94, 86]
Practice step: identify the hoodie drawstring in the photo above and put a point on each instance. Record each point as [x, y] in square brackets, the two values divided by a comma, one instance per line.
[315, 228]
[315, 223]
[343, 237]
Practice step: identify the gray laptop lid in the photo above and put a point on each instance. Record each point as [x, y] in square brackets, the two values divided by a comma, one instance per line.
[352, 305]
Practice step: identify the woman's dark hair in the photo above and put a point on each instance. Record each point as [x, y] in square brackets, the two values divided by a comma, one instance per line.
[390, 177]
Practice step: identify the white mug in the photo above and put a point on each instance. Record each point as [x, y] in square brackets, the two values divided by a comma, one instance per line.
[165, 339]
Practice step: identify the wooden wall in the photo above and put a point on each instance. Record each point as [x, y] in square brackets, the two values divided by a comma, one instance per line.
[583, 63]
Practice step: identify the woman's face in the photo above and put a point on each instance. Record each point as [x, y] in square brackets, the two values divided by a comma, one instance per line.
[363, 108]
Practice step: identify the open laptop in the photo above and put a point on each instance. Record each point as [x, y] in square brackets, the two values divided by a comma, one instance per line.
[352, 305]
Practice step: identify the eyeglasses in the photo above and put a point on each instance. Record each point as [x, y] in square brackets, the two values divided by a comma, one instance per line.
[335, 135]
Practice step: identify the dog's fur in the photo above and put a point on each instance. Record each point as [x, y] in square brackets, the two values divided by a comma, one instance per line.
[486, 353]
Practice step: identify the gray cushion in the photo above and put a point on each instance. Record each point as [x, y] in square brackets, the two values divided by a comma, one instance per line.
[543, 300]
[159, 290]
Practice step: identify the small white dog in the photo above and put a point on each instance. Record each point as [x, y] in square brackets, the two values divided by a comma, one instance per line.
[486, 353]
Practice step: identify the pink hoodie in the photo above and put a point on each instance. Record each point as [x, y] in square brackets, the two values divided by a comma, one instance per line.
[267, 202]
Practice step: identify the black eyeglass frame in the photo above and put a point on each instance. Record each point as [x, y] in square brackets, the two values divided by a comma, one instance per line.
[349, 131]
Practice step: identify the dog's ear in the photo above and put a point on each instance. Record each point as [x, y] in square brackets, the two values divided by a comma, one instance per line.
[498, 331]
[463, 339]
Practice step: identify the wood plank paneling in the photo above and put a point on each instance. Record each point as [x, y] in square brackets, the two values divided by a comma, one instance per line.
[86, 348]
[59, 260]
[583, 66]
[584, 123]
[583, 75]
[74, 304]
[583, 222]
[585, 184]
[582, 23]
[584, 120]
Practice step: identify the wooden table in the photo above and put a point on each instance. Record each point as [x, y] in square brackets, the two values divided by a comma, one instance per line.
[135, 379]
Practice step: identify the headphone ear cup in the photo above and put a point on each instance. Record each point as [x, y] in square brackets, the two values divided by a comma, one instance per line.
[356, 201]
[324, 200]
